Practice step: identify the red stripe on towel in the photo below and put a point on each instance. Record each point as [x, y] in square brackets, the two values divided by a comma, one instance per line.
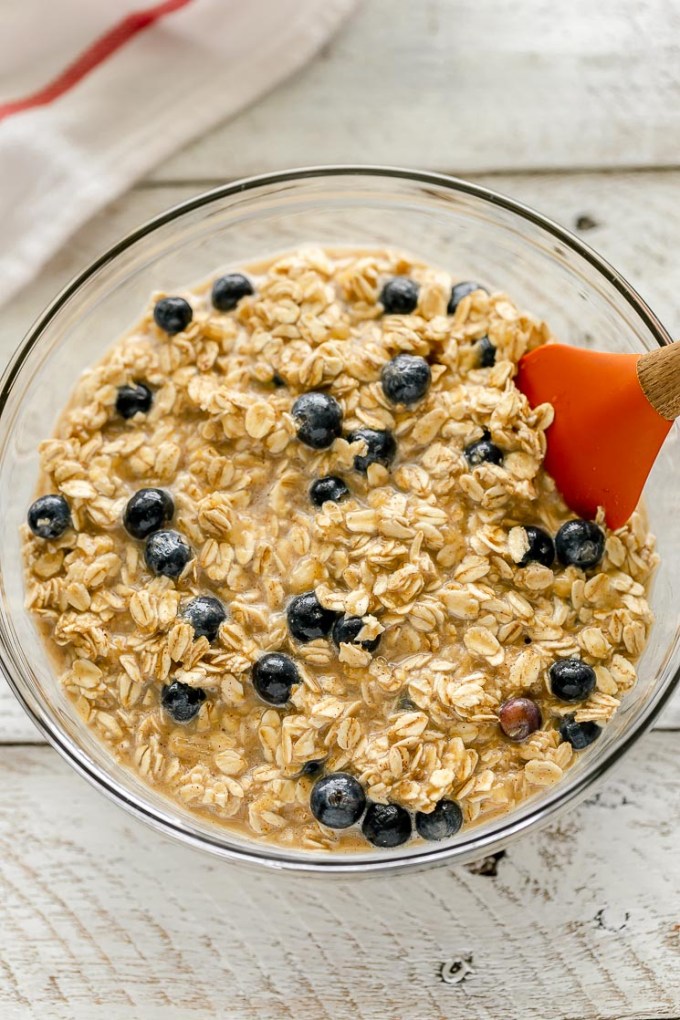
[95, 54]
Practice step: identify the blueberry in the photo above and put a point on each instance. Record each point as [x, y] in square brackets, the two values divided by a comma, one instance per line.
[132, 400]
[312, 768]
[571, 679]
[147, 511]
[330, 489]
[541, 548]
[486, 353]
[399, 296]
[580, 544]
[406, 379]
[386, 824]
[307, 618]
[229, 289]
[273, 676]
[346, 629]
[483, 450]
[337, 800]
[49, 516]
[460, 291]
[519, 718]
[318, 417]
[579, 734]
[382, 448]
[205, 613]
[181, 701]
[167, 553]
[444, 821]
[172, 314]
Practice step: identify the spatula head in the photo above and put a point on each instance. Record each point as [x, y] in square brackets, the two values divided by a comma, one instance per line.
[605, 436]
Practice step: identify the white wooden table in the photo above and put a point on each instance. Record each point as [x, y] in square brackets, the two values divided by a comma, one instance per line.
[574, 109]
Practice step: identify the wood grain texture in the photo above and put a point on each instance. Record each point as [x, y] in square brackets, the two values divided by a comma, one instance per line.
[659, 376]
[633, 219]
[104, 919]
[458, 84]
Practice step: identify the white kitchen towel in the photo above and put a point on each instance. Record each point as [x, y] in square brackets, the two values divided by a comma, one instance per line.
[94, 94]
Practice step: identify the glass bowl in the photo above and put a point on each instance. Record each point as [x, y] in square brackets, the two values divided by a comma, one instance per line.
[474, 232]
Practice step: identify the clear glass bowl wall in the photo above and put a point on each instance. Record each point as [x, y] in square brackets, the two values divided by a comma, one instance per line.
[474, 233]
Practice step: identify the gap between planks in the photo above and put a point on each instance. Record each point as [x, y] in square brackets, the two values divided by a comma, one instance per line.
[470, 174]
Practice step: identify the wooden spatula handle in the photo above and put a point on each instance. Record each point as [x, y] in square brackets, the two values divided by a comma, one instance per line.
[659, 376]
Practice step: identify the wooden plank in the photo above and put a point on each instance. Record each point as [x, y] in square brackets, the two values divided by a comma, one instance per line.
[632, 218]
[471, 86]
[102, 918]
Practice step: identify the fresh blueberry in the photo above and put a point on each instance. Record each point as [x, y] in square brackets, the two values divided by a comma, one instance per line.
[172, 314]
[132, 400]
[229, 289]
[49, 516]
[580, 544]
[571, 679]
[382, 448]
[519, 718]
[307, 618]
[444, 821]
[167, 553]
[541, 548]
[205, 613]
[483, 450]
[346, 629]
[312, 768]
[181, 701]
[579, 734]
[386, 824]
[274, 674]
[337, 800]
[399, 296]
[460, 291]
[318, 417]
[406, 379]
[147, 511]
[486, 353]
[330, 489]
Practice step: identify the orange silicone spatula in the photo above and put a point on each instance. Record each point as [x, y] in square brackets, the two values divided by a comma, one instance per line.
[612, 413]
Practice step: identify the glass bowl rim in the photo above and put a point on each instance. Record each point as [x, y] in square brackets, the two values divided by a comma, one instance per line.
[257, 853]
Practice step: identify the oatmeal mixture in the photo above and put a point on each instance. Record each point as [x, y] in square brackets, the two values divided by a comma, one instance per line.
[302, 566]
